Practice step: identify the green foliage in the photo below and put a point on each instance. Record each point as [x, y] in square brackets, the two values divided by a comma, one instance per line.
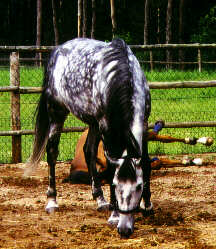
[207, 31]
[126, 36]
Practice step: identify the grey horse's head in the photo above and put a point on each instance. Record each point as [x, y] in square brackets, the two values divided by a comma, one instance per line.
[128, 183]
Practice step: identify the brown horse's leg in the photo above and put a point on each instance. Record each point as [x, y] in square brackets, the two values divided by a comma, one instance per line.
[90, 151]
[152, 136]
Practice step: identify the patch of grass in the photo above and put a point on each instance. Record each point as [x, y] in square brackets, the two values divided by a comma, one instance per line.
[177, 75]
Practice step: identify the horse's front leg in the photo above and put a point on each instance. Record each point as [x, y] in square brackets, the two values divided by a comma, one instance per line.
[147, 205]
[90, 151]
[114, 217]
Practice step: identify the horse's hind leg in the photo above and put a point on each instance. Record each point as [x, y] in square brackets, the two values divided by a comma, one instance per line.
[90, 151]
[52, 154]
[56, 125]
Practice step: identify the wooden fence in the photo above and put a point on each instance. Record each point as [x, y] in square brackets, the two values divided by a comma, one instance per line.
[199, 47]
[145, 48]
[16, 90]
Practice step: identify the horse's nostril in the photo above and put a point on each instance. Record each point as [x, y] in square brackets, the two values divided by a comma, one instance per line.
[129, 232]
[125, 233]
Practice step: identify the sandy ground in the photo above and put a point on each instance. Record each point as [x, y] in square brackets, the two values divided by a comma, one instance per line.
[184, 203]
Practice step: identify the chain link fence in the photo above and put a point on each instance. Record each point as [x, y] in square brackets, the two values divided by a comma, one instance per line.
[175, 105]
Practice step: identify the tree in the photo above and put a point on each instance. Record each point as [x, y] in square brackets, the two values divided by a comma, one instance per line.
[181, 30]
[206, 31]
[126, 16]
[181, 18]
[93, 19]
[146, 22]
[169, 31]
[79, 22]
[84, 31]
[113, 18]
[55, 27]
[39, 22]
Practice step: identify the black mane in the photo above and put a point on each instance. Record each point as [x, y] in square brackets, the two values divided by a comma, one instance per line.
[119, 111]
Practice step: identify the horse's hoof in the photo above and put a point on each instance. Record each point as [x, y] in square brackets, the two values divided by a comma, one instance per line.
[104, 207]
[113, 222]
[51, 207]
[114, 218]
[51, 210]
[158, 126]
[147, 213]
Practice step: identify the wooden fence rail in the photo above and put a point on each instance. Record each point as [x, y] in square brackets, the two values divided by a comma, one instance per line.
[152, 85]
[137, 47]
[180, 47]
[149, 48]
[15, 89]
[82, 128]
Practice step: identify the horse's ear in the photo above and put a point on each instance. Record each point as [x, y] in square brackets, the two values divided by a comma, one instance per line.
[133, 146]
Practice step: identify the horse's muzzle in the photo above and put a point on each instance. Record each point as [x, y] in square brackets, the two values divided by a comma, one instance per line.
[125, 233]
[125, 225]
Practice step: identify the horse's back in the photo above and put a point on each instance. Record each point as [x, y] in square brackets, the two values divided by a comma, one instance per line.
[81, 71]
[73, 71]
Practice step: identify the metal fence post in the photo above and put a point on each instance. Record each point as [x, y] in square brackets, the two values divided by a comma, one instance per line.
[15, 107]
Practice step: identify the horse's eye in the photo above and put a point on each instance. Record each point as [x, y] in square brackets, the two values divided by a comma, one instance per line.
[139, 187]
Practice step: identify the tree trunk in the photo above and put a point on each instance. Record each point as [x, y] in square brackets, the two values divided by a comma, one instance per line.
[79, 28]
[146, 24]
[181, 31]
[113, 18]
[158, 25]
[39, 22]
[84, 18]
[93, 19]
[55, 26]
[38, 33]
[168, 31]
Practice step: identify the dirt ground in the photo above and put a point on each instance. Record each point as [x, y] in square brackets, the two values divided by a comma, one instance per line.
[184, 201]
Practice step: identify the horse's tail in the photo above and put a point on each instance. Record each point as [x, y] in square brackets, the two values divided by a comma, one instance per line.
[42, 128]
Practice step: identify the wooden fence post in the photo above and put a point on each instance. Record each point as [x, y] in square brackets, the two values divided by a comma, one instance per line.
[15, 107]
[151, 60]
[199, 60]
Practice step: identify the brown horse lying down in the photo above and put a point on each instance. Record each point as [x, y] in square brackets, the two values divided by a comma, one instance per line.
[79, 170]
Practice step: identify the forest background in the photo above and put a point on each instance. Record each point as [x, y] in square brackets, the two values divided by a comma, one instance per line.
[42, 22]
